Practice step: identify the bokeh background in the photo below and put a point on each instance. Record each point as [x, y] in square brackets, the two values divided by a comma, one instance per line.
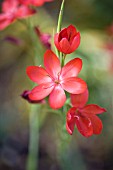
[58, 150]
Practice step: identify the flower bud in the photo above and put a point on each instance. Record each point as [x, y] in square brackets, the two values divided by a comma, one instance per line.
[67, 40]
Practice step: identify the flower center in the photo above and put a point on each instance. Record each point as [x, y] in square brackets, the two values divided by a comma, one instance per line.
[57, 82]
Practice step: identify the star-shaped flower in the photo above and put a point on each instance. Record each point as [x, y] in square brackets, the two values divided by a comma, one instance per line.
[53, 80]
[84, 116]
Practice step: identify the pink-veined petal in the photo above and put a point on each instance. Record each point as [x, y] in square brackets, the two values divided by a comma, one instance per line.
[72, 68]
[64, 45]
[38, 74]
[84, 126]
[52, 64]
[74, 85]
[41, 91]
[57, 97]
[79, 100]
[96, 124]
[93, 109]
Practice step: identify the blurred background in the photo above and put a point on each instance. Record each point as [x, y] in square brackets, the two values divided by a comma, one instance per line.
[57, 150]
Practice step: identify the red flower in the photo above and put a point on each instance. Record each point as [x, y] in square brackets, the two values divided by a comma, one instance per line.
[84, 117]
[53, 80]
[67, 40]
[12, 10]
[34, 2]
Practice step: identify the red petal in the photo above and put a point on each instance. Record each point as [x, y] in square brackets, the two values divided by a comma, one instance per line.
[25, 2]
[71, 31]
[24, 11]
[70, 120]
[74, 85]
[34, 2]
[64, 45]
[57, 97]
[52, 64]
[84, 126]
[97, 124]
[75, 42]
[7, 5]
[4, 21]
[63, 34]
[38, 74]
[41, 91]
[72, 68]
[56, 37]
[93, 109]
[39, 2]
[70, 126]
[79, 100]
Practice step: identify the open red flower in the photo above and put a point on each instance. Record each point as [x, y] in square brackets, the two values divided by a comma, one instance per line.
[34, 2]
[84, 116]
[53, 80]
[12, 10]
[68, 40]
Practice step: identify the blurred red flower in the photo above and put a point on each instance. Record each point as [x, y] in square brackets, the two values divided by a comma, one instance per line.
[67, 40]
[44, 38]
[34, 2]
[54, 80]
[12, 10]
[84, 116]
[109, 30]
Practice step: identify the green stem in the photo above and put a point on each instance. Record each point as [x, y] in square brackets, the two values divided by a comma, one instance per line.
[59, 25]
[32, 161]
[33, 147]
[63, 59]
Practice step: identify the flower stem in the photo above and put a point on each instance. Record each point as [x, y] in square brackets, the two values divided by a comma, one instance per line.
[59, 25]
[60, 17]
[32, 161]
[63, 59]
[33, 147]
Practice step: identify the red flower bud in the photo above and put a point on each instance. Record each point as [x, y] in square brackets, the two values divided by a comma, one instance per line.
[68, 40]
[25, 95]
